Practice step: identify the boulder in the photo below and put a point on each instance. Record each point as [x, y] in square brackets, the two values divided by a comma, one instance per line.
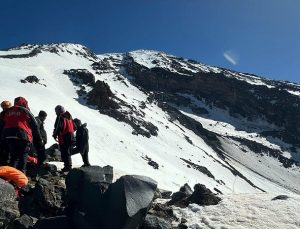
[203, 196]
[186, 189]
[154, 222]
[86, 182]
[7, 191]
[24, 222]
[49, 196]
[8, 212]
[127, 200]
[58, 222]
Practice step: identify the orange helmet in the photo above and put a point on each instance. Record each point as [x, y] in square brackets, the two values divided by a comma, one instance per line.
[5, 104]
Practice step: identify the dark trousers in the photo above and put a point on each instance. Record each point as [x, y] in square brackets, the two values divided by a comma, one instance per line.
[18, 150]
[84, 154]
[3, 155]
[66, 151]
[41, 155]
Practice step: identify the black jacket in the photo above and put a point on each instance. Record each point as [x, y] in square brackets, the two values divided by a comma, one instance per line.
[82, 138]
[42, 130]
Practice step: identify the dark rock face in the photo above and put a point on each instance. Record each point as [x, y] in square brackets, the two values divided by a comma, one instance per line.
[154, 222]
[261, 149]
[101, 96]
[201, 196]
[224, 90]
[80, 76]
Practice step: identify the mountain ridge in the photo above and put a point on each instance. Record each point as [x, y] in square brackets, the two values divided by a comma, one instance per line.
[150, 111]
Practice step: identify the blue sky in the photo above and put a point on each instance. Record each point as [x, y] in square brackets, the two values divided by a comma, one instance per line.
[254, 36]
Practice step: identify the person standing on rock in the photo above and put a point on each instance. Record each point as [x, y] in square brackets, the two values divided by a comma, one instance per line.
[64, 134]
[41, 151]
[82, 141]
[20, 128]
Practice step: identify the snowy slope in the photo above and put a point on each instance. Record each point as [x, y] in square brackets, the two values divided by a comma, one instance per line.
[112, 141]
[244, 211]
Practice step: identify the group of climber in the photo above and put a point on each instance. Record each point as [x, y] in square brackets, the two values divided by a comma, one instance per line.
[22, 134]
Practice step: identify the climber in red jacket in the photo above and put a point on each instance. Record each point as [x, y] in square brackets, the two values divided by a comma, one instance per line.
[19, 129]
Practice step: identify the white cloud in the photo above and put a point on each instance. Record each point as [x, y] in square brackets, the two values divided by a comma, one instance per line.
[231, 57]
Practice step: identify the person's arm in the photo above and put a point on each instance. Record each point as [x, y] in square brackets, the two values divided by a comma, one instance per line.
[58, 126]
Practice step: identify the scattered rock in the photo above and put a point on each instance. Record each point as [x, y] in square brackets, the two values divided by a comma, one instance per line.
[154, 222]
[201, 196]
[281, 197]
[152, 163]
[165, 194]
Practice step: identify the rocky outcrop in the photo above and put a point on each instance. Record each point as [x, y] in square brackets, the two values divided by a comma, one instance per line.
[102, 97]
[201, 196]
[80, 76]
[225, 90]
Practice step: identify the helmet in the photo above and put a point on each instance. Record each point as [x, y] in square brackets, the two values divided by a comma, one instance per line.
[42, 113]
[5, 104]
[77, 122]
[22, 102]
[59, 109]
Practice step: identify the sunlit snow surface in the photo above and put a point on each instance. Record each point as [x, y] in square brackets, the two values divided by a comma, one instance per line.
[112, 142]
[244, 211]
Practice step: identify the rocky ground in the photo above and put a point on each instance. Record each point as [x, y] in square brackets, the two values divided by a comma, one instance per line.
[86, 197]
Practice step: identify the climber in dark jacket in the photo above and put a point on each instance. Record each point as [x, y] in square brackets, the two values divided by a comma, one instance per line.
[82, 141]
[41, 151]
[64, 134]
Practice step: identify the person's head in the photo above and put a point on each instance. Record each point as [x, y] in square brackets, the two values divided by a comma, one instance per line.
[5, 105]
[59, 109]
[77, 122]
[21, 102]
[42, 115]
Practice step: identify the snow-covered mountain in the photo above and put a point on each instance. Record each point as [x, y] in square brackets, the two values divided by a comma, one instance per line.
[175, 120]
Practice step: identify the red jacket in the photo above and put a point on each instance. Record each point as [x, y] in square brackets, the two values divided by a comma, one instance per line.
[63, 126]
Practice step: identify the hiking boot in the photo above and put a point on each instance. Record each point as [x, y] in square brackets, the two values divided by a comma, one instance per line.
[86, 165]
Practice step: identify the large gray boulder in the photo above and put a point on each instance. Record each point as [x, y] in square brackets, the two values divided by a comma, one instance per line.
[126, 202]
[86, 185]
[8, 204]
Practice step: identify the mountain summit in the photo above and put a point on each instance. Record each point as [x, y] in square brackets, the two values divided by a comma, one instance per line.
[173, 119]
